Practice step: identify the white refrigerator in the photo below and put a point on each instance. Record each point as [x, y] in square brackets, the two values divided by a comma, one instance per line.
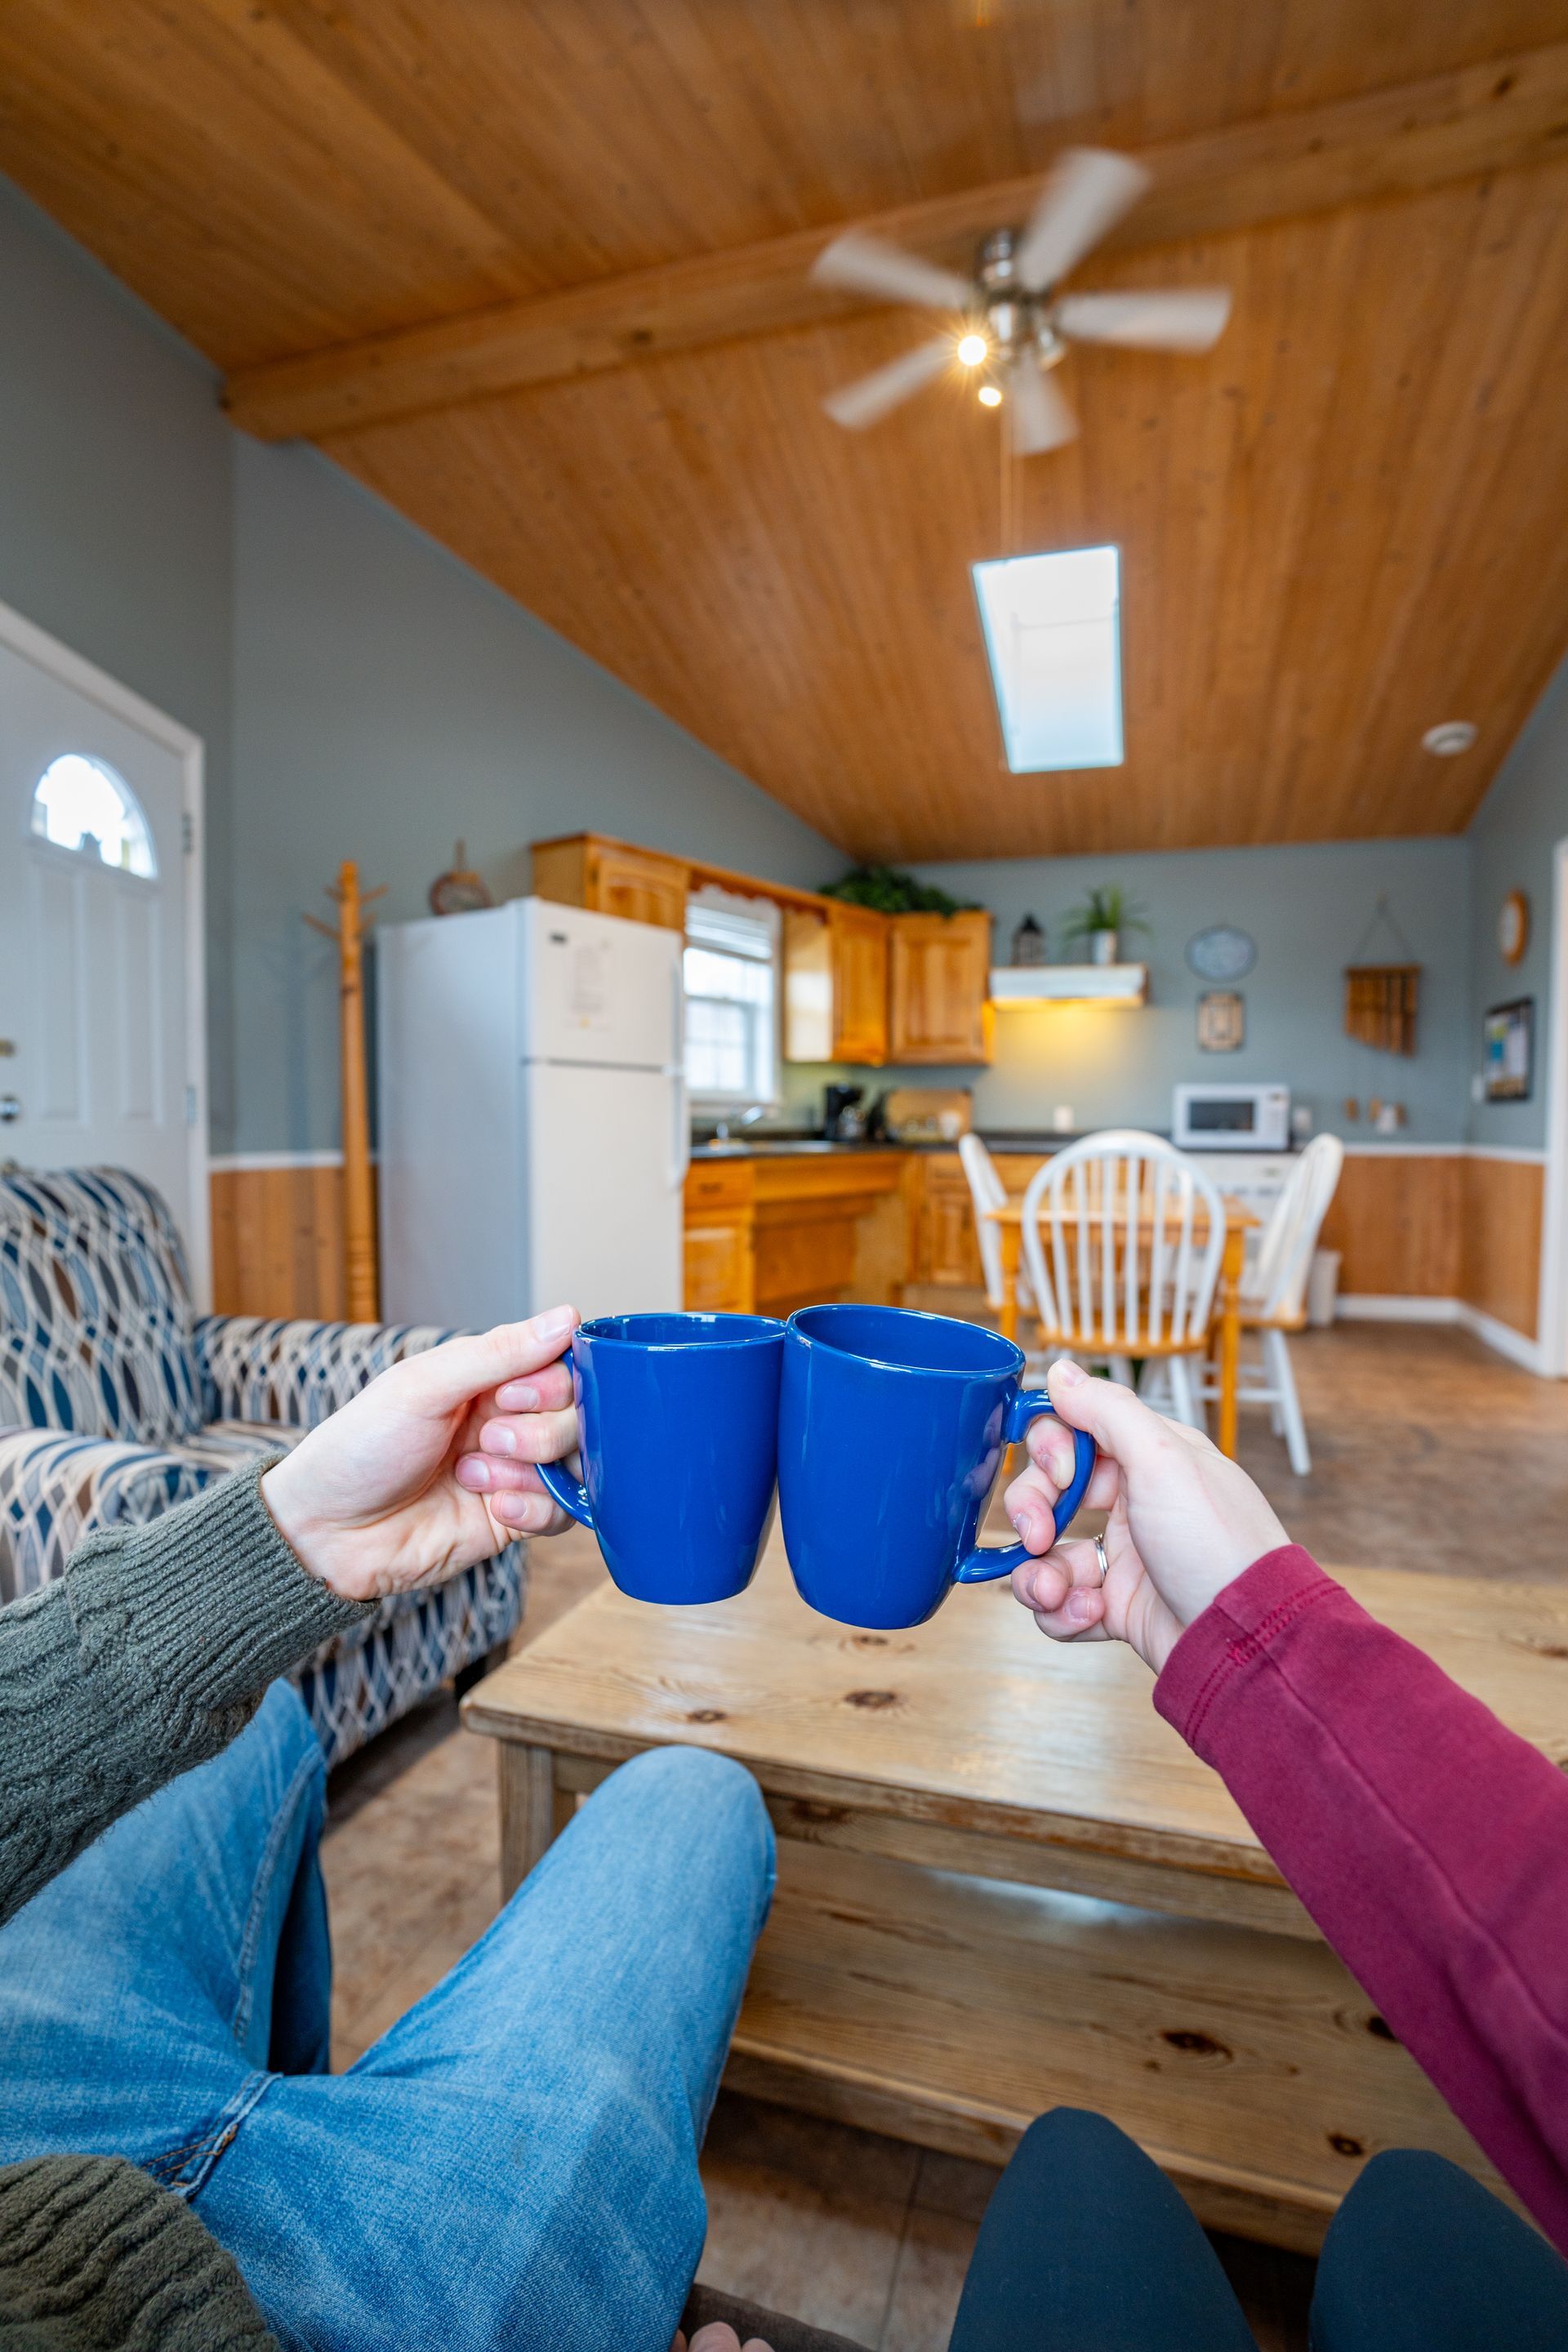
[533, 1123]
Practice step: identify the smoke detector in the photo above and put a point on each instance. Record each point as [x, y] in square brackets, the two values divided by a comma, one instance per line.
[1448, 740]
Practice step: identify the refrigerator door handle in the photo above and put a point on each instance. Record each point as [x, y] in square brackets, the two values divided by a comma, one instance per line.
[681, 1157]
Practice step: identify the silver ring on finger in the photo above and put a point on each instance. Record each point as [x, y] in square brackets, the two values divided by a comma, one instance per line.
[1099, 1554]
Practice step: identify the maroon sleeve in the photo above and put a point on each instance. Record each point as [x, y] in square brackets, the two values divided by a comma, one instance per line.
[1428, 1842]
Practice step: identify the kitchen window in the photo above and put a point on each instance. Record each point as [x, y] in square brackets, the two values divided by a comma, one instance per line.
[732, 970]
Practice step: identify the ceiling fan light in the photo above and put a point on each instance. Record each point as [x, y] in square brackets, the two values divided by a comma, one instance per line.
[973, 349]
[990, 396]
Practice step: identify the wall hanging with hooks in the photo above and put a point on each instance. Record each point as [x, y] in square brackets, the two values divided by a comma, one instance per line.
[1381, 1000]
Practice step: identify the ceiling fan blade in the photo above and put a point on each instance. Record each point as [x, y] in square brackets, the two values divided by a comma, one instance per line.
[1182, 319]
[1040, 418]
[870, 397]
[1089, 189]
[869, 265]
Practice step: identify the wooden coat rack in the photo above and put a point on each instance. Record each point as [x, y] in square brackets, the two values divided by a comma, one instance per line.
[360, 1301]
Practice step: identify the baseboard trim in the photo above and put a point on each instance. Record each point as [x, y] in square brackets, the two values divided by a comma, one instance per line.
[1396, 1307]
[244, 1163]
[1378, 1306]
[1527, 1353]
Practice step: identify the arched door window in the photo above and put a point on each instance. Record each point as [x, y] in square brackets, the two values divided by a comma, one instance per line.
[78, 803]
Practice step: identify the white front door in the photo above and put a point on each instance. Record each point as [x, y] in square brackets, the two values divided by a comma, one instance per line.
[99, 1057]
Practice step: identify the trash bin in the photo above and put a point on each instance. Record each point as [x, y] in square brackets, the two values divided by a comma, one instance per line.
[1322, 1287]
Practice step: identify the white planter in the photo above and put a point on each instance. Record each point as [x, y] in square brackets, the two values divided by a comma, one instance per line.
[1102, 946]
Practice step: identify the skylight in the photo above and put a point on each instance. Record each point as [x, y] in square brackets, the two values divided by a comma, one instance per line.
[1052, 626]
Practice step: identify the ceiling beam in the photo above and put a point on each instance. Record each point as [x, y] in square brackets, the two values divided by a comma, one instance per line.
[1510, 112]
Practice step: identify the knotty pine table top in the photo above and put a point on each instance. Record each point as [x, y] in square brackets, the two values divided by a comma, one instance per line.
[974, 1720]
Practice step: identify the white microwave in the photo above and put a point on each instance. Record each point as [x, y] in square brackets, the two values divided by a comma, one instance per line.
[1231, 1119]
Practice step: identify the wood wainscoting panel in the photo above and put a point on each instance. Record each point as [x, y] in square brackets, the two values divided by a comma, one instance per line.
[1396, 1221]
[1500, 1259]
[277, 1241]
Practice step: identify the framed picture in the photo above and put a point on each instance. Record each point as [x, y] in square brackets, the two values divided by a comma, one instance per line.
[1222, 1021]
[1509, 1051]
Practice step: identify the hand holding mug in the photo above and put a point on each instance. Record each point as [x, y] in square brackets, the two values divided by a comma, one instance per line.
[431, 1467]
[1185, 1521]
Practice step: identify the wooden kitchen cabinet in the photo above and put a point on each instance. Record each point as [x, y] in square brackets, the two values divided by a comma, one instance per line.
[836, 985]
[861, 984]
[766, 1235]
[939, 988]
[945, 1251]
[588, 870]
[720, 1240]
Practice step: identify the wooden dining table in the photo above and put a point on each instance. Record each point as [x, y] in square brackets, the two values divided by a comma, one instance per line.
[1240, 1221]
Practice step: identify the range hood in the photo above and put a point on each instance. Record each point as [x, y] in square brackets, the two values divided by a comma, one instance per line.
[1069, 983]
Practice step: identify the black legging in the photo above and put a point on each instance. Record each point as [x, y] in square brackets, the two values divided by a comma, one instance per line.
[1086, 2247]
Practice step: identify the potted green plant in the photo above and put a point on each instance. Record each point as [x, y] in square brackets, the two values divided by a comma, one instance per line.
[1104, 920]
[888, 892]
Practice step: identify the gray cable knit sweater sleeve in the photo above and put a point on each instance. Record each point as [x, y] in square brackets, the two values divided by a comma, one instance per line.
[148, 1656]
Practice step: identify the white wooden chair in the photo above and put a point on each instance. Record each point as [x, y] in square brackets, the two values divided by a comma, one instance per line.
[1123, 1260]
[986, 1192]
[1274, 1293]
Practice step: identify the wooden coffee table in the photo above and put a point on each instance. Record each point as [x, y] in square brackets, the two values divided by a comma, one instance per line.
[1005, 1884]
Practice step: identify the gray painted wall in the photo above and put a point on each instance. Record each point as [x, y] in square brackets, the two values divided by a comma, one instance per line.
[116, 518]
[359, 692]
[387, 700]
[1307, 907]
[1512, 837]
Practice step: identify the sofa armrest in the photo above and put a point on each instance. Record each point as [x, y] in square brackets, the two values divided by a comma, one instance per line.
[254, 1369]
[56, 1487]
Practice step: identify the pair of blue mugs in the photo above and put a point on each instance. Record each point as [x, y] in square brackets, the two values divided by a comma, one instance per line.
[883, 1430]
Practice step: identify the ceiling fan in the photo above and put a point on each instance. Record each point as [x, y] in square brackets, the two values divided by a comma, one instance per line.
[1013, 326]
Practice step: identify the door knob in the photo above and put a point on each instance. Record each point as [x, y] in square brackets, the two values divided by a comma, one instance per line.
[10, 1109]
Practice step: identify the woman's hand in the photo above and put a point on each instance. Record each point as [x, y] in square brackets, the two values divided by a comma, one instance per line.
[430, 1467]
[1183, 1524]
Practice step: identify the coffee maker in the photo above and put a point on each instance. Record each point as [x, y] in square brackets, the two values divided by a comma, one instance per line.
[842, 1120]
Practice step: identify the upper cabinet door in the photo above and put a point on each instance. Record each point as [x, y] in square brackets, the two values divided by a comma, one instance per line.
[860, 984]
[611, 877]
[638, 885]
[938, 1007]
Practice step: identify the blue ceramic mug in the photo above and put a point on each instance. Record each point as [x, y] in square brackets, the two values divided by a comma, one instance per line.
[891, 1430]
[678, 1433]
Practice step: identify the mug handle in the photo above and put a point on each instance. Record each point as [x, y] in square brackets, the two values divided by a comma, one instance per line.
[988, 1560]
[560, 1486]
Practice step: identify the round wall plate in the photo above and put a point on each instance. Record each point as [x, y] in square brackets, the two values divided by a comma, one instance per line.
[1223, 952]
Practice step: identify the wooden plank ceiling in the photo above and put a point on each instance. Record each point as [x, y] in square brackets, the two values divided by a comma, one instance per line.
[536, 274]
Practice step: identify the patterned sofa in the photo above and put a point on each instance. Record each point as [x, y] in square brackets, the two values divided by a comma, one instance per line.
[117, 1402]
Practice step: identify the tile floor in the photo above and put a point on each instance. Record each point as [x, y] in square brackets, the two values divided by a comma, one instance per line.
[1425, 1446]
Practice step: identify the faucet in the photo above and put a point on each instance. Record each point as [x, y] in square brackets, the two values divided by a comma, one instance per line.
[747, 1118]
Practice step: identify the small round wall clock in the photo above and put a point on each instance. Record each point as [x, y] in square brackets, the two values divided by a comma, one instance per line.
[1513, 926]
[1222, 953]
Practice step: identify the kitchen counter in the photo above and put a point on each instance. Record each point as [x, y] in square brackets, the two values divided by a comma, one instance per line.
[779, 1147]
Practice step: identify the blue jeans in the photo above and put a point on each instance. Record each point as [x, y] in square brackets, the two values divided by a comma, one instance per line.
[514, 2165]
